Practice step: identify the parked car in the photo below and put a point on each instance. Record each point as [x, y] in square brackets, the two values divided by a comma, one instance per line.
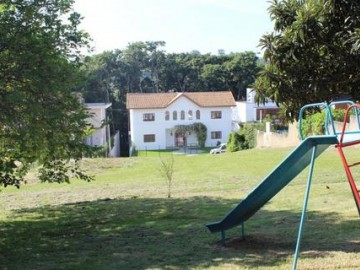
[218, 150]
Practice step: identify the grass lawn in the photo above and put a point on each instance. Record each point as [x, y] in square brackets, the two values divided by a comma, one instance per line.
[124, 220]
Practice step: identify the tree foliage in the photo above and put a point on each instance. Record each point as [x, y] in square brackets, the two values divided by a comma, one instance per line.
[201, 133]
[145, 67]
[313, 55]
[199, 128]
[314, 123]
[236, 142]
[40, 121]
[243, 139]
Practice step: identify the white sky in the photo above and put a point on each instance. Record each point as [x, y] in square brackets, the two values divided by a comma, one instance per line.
[185, 25]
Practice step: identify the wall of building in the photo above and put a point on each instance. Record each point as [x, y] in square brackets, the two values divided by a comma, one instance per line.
[97, 138]
[246, 111]
[101, 134]
[250, 111]
[98, 115]
[115, 150]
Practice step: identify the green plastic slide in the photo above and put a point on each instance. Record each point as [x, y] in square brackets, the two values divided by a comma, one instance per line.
[292, 165]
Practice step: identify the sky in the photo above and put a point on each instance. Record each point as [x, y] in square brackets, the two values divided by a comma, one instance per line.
[185, 25]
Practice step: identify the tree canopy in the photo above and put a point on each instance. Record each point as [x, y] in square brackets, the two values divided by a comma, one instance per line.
[146, 67]
[313, 54]
[40, 120]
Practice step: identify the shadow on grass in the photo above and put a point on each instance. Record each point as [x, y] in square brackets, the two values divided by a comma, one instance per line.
[161, 233]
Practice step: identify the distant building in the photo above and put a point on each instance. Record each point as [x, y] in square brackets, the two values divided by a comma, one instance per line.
[249, 110]
[221, 52]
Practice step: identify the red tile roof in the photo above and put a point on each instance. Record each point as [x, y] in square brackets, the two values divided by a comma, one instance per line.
[163, 100]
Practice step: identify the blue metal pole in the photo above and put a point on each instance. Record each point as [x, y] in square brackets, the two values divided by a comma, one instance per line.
[223, 241]
[306, 198]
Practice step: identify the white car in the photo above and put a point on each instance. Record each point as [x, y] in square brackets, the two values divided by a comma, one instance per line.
[220, 149]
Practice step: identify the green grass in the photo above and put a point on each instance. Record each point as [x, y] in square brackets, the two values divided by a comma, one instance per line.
[123, 220]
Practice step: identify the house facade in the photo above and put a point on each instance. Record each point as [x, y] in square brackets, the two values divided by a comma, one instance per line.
[101, 133]
[250, 111]
[154, 118]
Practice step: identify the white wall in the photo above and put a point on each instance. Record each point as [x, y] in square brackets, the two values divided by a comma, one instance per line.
[96, 138]
[250, 99]
[163, 129]
[115, 151]
[98, 115]
[247, 110]
[99, 136]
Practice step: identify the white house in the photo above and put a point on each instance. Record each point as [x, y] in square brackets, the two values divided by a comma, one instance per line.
[101, 135]
[154, 117]
[249, 110]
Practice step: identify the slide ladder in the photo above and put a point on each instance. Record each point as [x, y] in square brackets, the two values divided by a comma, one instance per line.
[346, 139]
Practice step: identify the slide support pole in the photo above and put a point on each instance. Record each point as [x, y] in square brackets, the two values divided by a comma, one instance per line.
[223, 239]
[306, 198]
[242, 231]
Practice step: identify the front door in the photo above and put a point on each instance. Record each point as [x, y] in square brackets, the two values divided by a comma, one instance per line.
[180, 139]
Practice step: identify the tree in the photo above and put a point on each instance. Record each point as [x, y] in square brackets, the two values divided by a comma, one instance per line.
[213, 76]
[156, 62]
[178, 71]
[313, 55]
[242, 70]
[41, 120]
[166, 169]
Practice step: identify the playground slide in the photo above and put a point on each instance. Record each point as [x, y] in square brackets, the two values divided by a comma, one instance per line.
[295, 162]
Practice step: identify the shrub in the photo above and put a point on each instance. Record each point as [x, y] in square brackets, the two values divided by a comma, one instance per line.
[244, 139]
[314, 124]
[201, 133]
[249, 132]
[96, 151]
[236, 142]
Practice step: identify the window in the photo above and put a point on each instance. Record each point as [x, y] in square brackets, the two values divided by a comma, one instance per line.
[198, 114]
[182, 115]
[167, 116]
[190, 114]
[216, 135]
[174, 115]
[149, 138]
[149, 117]
[216, 115]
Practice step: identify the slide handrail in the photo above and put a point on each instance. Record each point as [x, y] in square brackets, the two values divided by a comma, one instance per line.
[348, 110]
[329, 125]
[321, 105]
[333, 104]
